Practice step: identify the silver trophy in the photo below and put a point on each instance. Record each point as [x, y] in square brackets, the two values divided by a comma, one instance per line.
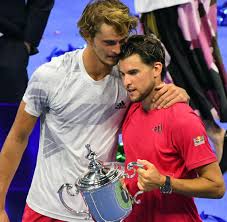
[102, 190]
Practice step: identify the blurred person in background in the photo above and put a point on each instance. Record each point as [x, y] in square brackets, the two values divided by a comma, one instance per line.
[22, 24]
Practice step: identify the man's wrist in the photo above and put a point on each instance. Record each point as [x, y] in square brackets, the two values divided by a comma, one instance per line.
[2, 198]
[2, 205]
[166, 188]
[162, 180]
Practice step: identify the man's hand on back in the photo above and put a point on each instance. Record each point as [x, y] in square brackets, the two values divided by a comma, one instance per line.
[169, 94]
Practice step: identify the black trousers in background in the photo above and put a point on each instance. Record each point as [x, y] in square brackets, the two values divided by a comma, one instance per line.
[13, 69]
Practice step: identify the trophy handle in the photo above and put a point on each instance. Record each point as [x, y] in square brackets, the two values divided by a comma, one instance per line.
[134, 198]
[131, 166]
[68, 189]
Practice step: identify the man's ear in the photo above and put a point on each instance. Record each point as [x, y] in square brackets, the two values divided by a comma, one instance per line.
[87, 37]
[157, 69]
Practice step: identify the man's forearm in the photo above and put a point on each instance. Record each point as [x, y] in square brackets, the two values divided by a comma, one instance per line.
[208, 185]
[10, 158]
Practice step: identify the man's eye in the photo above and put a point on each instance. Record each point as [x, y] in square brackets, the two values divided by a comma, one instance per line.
[110, 42]
[133, 72]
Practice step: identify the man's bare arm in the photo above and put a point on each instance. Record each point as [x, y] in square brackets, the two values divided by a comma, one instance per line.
[13, 150]
[208, 184]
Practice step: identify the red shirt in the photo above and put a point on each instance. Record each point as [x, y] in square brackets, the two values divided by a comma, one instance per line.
[175, 141]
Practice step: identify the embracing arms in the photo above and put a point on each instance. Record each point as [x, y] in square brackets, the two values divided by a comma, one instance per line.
[169, 94]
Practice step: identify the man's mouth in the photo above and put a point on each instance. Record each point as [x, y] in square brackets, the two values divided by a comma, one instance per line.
[131, 90]
[113, 57]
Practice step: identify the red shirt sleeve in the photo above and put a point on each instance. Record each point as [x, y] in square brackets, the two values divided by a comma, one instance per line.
[190, 139]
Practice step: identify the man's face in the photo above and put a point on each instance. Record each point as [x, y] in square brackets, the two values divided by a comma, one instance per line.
[106, 45]
[138, 78]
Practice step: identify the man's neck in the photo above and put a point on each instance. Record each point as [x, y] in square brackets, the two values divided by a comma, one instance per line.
[94, 67]
[148, 103]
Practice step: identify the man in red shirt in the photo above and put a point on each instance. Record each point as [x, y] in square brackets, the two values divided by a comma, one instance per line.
[171, 143]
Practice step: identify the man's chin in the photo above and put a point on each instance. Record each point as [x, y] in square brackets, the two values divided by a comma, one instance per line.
[112, 61]
[134, 100]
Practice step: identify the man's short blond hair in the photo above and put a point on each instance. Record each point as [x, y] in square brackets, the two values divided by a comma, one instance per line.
[110, 12]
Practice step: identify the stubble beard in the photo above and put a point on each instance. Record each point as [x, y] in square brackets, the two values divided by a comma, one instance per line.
[142, 96]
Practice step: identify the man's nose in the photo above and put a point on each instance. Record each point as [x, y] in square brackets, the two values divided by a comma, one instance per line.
[126, 81]
[117, 48]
